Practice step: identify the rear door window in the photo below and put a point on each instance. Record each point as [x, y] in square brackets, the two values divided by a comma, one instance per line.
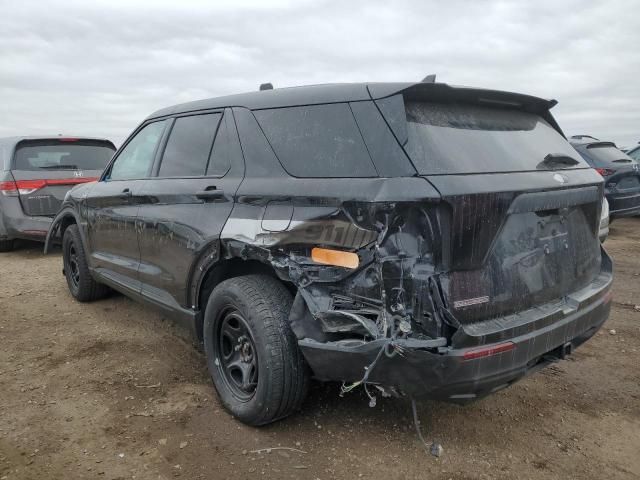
[317, 141]
[465, 138]
[189, 146]
[46, 155]
[135, 159]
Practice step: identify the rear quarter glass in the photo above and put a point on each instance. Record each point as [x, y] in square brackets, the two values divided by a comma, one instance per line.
[43, 155]
[317, 141]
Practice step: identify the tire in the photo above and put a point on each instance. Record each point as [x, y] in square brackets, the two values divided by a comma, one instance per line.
[81, 284]
[6, 245]
[265, 378]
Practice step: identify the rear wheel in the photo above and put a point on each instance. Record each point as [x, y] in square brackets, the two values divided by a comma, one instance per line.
[6, 245]
[252, 354]
[81, 284]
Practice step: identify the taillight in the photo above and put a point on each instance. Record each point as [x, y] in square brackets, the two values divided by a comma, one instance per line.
[487, 351]
[26, 187]
[605, 172]
[9, 189]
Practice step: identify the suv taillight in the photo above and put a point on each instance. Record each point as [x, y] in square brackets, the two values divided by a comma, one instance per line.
[605, 172]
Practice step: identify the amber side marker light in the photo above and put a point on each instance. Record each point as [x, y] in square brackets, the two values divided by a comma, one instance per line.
[338, 258]
[488, 350]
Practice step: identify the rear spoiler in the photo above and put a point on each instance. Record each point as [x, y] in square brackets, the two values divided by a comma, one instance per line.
[442, 92]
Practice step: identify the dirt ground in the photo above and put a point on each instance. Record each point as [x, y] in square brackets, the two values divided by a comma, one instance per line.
[109, 390]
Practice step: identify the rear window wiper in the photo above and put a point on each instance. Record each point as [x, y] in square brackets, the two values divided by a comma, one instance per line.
[557, 160]
[60, 167]
[622, 160]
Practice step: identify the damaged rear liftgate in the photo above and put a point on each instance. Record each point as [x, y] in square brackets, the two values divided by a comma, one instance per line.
[395, 287]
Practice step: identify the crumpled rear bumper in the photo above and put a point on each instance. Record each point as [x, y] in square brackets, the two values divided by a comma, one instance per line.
[539, 337]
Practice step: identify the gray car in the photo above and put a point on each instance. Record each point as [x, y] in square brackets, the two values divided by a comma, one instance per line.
[35, 175]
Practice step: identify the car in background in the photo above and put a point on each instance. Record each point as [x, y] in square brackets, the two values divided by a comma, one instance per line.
[35, 175]
[634, 153]
[621, 174]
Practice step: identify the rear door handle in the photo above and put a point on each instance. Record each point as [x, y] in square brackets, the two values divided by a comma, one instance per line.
[126, 193]
[209, 193]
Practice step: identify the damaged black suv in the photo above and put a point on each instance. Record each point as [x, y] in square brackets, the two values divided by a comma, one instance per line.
[431, 240]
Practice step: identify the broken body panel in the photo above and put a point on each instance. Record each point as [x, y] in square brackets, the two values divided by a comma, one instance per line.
[464, 282]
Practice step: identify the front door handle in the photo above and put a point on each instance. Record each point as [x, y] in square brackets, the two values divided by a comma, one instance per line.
[126, 193]
[209, 193]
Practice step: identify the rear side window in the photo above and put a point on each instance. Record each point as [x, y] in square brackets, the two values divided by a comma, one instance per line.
[189, 146]
[63, 155]
[317, 141]
[135, 159]
[466, 138]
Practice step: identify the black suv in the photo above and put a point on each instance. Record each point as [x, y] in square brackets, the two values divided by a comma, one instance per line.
[621, 174]
[425, 239]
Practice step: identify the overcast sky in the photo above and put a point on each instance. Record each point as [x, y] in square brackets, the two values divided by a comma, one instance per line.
[100, 67]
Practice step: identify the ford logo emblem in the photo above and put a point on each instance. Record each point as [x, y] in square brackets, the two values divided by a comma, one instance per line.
[558, 177]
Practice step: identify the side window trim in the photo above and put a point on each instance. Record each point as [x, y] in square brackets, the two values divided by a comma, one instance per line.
[162, 145]
[106, 175]
[165, 139]
[215, 137]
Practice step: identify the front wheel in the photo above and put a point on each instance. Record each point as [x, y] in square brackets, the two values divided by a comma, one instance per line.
[252, 354]
[81, 284]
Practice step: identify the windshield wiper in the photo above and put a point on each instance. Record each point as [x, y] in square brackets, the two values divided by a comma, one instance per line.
[60, 167]
[557, 160]
[622, 160]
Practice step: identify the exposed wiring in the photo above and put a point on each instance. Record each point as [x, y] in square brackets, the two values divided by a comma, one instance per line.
[367, 371]
[416, 422]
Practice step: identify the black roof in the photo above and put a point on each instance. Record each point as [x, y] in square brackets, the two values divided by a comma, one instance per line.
[353, 92]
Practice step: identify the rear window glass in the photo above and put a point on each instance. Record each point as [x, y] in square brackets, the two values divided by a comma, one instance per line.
[317, 141]
[77, 155]
[189, 146]
[459, 138]
[606, 154]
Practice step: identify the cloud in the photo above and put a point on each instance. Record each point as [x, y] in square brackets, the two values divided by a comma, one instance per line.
[101, 67]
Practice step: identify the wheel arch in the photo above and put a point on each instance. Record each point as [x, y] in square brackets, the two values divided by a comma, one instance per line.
[59, 225]
[223, 269]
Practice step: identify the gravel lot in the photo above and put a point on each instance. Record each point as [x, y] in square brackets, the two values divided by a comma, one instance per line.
[111, 390]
